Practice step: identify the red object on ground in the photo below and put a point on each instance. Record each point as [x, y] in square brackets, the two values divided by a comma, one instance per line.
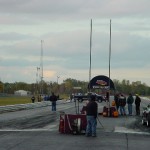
[61, 125]
[72, 123]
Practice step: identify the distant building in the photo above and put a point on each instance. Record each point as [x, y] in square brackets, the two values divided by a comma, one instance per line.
[22, 93]
[136, 83]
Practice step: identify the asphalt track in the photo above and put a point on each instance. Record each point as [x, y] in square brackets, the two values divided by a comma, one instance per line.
[40, 131]
[49, 140]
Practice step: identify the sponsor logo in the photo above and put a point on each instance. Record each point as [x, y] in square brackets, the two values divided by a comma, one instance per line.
[100, 87]
[101, 82]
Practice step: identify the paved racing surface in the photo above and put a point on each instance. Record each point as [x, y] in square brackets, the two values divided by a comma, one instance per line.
[37, 129]
[48, 140]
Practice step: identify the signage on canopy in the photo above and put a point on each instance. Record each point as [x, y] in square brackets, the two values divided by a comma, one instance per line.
[101, 82]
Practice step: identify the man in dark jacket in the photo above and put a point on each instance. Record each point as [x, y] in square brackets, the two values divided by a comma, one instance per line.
[33, 99]
[130, 101]
[137, 104]
[53, 99]
[116, 98]
[91, 112]
[122, 103]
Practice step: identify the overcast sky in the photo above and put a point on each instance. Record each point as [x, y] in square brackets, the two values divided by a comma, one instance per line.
[64, 27]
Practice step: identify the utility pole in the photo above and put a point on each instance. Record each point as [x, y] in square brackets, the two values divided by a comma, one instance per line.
[37, 80]
[57, 83]
[90, 57]
[41, 66]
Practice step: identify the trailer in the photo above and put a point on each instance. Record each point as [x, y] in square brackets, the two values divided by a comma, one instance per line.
[86, 96]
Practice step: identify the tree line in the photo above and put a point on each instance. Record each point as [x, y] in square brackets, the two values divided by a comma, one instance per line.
[67, 87]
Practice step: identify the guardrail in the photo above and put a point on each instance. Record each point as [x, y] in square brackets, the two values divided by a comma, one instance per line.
[17, 107]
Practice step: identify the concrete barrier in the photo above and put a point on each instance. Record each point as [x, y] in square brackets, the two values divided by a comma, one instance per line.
[17, 107]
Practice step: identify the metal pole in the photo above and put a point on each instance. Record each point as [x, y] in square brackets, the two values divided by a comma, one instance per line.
[75, 105]
[41, 66]
[109, 53]
[37, 79]
[58, 84]
[90, 56]
[100, 122]
[109, 70]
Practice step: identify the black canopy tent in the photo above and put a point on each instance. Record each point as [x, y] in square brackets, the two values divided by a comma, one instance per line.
[101, 82]
[104, 83]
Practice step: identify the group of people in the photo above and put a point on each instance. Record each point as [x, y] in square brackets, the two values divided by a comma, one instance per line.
[91, 110]
[121, 101]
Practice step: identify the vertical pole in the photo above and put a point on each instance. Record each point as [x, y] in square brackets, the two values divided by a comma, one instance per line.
[90, 56]
[41, 67]
[109, 53]
[75, 105]
[58, 84]
[109, 71]
[37, 79]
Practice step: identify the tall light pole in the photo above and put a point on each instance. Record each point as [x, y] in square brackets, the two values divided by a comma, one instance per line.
[109, 54]
[37, 79]
[90, 56]
[109, 71]
[57, 83]
[41, 66]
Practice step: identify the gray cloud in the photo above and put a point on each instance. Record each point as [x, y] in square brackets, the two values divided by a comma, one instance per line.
[65, 28]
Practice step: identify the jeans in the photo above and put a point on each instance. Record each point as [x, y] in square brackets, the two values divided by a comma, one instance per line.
[130, 109]
[122, 110]
[91, 126]
[53, 106]
[137, 109]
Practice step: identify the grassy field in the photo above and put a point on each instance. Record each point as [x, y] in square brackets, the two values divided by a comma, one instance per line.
[14, 100]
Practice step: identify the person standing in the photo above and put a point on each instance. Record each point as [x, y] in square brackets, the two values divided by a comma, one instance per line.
[116, 98]
[33, 99]
[91, 115]
[53, 99]
[130, 101]
[122, 103]
[39, 98]
[137, 104]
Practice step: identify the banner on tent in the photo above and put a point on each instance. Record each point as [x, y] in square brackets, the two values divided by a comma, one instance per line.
[101, 82]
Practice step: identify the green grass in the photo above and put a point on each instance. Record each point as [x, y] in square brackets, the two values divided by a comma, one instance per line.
[14, 100]
[64, 96]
